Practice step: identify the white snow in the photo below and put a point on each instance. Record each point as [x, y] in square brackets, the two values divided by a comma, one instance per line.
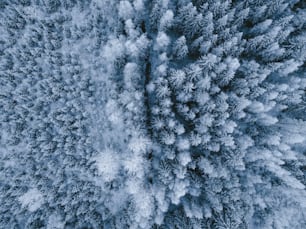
[108, 164]
[32, 199]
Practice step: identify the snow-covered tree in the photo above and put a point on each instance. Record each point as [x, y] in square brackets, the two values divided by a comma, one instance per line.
[152, 114]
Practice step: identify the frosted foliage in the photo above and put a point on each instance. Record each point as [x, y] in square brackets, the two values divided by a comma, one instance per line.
[138, 5]
[32, 200]
[130, 74]
[55, 222]
[125, 9]
[134, 164]
[167, 19]
[138, 145]
[162, 41]
[108, 164]
[152, 114]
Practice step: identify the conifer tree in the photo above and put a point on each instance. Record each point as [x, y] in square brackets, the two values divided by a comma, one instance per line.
[152, 114]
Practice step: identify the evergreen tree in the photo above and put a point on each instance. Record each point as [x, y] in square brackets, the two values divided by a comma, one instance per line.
[152, 114]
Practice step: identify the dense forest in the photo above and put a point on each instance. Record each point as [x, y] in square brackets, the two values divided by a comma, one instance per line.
[161, 114]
